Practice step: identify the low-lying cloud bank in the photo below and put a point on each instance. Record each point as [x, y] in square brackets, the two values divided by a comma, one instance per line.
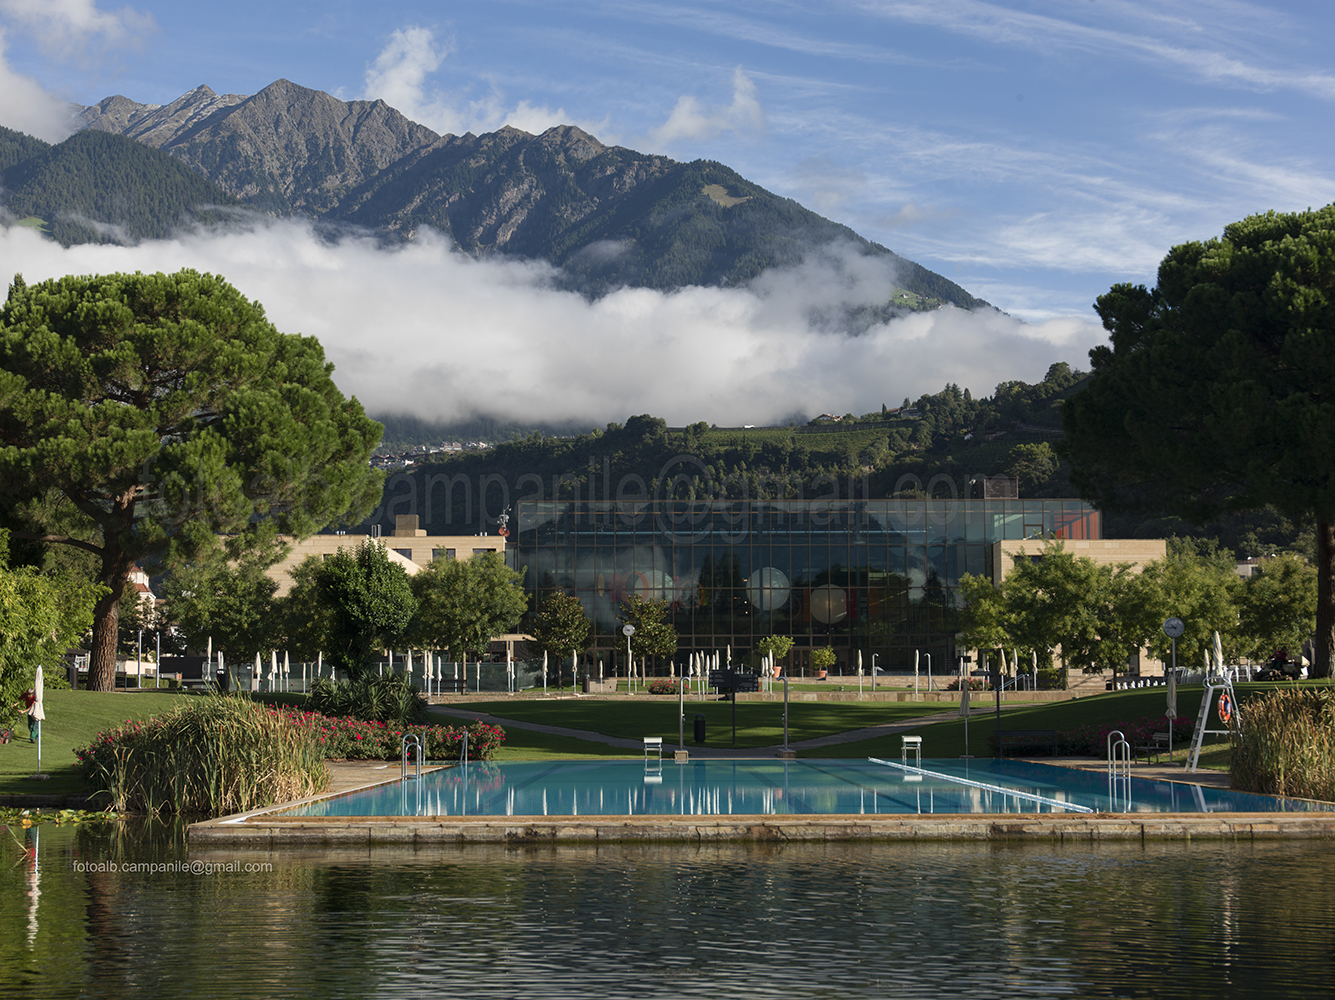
[423, 330]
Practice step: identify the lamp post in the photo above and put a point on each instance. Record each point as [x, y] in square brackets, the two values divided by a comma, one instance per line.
[628, 631]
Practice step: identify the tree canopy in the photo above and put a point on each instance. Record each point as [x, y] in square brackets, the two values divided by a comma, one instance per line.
[560, 626]
[41, 616]
[1217, 392]
[466, 603]
[350, 604]
[145, 417]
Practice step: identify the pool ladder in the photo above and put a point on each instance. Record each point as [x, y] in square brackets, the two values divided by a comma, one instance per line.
[1119, 771]
[410, 742]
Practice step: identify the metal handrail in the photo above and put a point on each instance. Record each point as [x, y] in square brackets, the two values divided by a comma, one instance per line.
[410, 741]
[1119, 751]
[1029, 796]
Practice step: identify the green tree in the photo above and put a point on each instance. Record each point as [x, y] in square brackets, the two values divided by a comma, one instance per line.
[1032, 464]
[146, 418]
[354, 603]
[1215, 393]
[1277, 607]
[41, 616]
[232, 607]
[464, 604]
[776, 645]
[560, 625]
[1197, 586]
[654, 635]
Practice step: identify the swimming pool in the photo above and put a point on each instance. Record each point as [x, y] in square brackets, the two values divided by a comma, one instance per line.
[772, 787]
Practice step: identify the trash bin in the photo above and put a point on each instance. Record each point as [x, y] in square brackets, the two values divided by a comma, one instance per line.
[699, 729]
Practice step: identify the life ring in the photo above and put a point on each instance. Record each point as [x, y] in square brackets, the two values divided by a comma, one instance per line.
[1225, 708]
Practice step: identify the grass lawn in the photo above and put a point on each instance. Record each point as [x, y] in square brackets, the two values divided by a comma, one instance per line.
[73, 718]
[759, 724]
[946, 739]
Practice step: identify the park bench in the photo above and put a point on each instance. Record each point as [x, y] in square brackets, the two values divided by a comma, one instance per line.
[1026, 738]
[1156, 745]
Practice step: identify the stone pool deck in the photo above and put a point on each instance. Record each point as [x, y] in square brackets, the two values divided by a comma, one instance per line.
[265, 829]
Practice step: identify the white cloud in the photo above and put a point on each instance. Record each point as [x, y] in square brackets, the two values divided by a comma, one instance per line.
[401, 77]
[67, 28]
[28, 107]
[690, 121]
[75, 32]
[426, 330]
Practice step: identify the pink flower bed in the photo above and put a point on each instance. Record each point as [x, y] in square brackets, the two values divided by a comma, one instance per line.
[352, 739]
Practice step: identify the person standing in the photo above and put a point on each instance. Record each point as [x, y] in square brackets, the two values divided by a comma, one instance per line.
[28, 703]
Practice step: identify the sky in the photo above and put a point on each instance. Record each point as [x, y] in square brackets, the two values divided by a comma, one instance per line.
[1034, 151]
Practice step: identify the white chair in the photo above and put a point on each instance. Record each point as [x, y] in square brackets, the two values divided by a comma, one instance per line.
[654, 743]
[914, 742]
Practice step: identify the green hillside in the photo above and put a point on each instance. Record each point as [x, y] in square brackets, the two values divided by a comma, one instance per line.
[100, 188]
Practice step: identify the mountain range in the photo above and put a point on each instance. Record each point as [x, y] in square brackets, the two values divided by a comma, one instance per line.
[605, 216]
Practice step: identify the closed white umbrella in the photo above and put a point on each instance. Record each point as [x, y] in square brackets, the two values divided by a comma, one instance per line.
[259, 669]
[287, 670]
[544, 671]
[38, 712]
[1218, 654]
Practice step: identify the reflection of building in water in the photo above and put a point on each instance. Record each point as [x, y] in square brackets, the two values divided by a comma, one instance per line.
[876, 576]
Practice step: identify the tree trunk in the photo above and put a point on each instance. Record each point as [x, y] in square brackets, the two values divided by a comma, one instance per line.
[102, 661]
[106, 623]
[1323, 644]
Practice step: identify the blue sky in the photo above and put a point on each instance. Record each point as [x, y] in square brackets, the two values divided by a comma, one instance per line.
[1035, 151]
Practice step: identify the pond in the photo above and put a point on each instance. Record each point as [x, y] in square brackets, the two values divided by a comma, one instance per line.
[131, 911]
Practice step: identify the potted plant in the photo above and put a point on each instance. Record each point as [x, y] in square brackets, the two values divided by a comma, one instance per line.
[776, 646]
[822, 659]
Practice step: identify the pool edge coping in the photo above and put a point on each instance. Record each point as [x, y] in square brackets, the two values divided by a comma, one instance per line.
[533, 830]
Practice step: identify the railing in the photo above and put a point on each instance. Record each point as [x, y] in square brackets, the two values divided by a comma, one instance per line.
[410, 742]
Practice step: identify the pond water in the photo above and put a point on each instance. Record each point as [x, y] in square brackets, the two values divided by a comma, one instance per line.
[808, 787]
[133, 912]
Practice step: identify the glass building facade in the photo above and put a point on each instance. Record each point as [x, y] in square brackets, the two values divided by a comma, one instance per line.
[879, 577]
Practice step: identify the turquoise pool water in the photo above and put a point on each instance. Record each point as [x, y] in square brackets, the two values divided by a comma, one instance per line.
[773, 787]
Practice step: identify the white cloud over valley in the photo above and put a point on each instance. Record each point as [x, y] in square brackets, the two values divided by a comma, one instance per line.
[422, 329]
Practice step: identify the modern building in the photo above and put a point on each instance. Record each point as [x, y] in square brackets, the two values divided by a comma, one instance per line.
[409, 546]
[876, 577]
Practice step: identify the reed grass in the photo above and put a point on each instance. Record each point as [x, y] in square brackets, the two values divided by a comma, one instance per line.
[1284, 744]
[214, 756]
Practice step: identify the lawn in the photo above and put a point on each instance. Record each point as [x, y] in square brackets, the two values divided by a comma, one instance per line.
[73, 718]
[947, 739]
[759, 723]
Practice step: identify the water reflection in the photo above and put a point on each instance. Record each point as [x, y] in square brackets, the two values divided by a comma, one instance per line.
[840, 920]
[771, 787]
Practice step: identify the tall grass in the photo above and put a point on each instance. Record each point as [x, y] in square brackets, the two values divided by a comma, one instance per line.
[1284, 744]
[214, 756]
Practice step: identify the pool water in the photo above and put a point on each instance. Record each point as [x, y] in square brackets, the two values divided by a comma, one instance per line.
[774, 788]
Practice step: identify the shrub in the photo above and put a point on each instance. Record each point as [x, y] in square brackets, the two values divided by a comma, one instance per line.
[213, 756]
[975, 684]
[1284, 744]
[664, 685]
[392, 699]
[356, 739]
[1092, 741]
